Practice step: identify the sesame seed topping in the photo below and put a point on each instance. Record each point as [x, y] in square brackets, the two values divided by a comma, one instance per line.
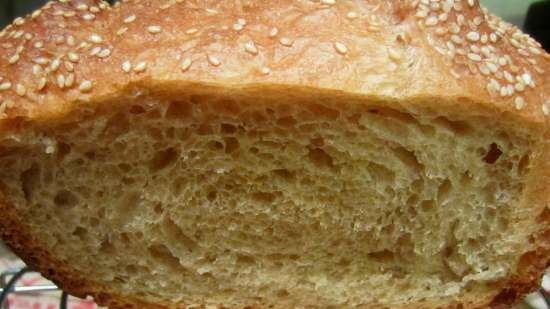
[273, 32]
[431, 21]
[352, 15]
[473, 36]
[394, 54]
[82, 7]
[192, 30]
[73, 57]
[5, 86]
[69, 80]
[251, 48]
[104, 53]
[88, 16]
[213, 60]
[55, 65]
[20, 90]
[130, 19]
[185, 64]
[241, 21]
[474, 57]
[42, 83]
[36, 14]
[95, 51]
[13, 59]
[140, 67]
[340, 48]
[122, 30]
[60, 81]
[37, 70]
[96, 38]
[126, 66]
[286, 41]
[154, 29]
[328, 2]
[546, 108]
[265, 70]
[519, 102]
[85, 86]
[69, 66]
[238, 27]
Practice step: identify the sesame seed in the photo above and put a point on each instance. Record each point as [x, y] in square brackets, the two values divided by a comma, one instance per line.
[546, 108]
[456, 39]
[42, 83]
[55, 65]
[73, 57]
[20, 90]
[328, 2]
[519, 102]
[37, 70]
[185, 64]
[19, 21]
[85, 86]
[431, 21]
[273, 32]
[96, 38]
[140, 67]
[88, 16]
[265, 70]
[38, 44]
[69, 80]
[520, 87]
[340, 48]
[213, 60]
[394, 54]
[471, 3]
[13, 59]
[154, 29]
[473, 36]
[493, 37]
[82, 7]
[251, 48]
[5, 86]
[95, 51]
[126, 66]
[527, 78]
[36, 14]
[104, 53]
[61, 81]
[94, 9]
[508, 77]
[69, 66]
[237, 27]
[122, 30]
[71, 41]
[130, 19]
[474, 57]
[286, 41]
[352, 15]
[241, 21]
[191, 30]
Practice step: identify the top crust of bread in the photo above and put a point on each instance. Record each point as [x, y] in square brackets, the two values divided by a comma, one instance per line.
[408, 53]
[86, 51]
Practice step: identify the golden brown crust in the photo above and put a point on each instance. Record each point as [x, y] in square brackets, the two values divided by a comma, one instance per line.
[85, 51]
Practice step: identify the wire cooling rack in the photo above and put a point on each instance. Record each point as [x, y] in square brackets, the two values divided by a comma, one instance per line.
[9, 285]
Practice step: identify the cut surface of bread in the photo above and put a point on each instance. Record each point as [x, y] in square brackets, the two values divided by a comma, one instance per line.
[231, 198]
[276, 154]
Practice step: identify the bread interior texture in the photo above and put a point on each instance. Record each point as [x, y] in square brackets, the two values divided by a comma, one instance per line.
[282, 200]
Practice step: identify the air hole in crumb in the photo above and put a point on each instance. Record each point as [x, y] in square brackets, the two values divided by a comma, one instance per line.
[523, 165]
[30, 180]
[231, 144]
[65, 199]
[245, 260]
[80, 232]
[493, 154]
[215, 145]
[284, 174]
[62, 151]
[179, 109]
[176, 235]
[264, 197]
[163, 159]
[228, 128]
[137, 109]
[162, 254]
[282, 293]
[211, 196]
[427, 205]
[158, 208]
[286, 122]
[320, 158]
[382, 256]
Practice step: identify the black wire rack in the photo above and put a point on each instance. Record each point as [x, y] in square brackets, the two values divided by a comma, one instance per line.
[9, 280]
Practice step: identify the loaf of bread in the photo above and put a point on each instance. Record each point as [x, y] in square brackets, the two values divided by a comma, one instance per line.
[276, 153]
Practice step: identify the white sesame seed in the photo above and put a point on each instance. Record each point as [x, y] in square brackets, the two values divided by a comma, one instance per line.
[154, 29]
[140, 67]
[5, 86]
[94, 9]
[122, 30]
[73, 57]
[96, 38]
[191, 30]
[431, 21]
[394, 55]
[474, 57]
[130, 19]
[42, 83]
[340, 48]
[237, 27]
[286, 41]
[273, 32]
[241, 21]
[473, 36]
[13, 59]
[493, 67]
[493, 37]
[69, 80]
[352, 15]
[213, 60]
[265, 70]
[38, 44]
[328, 2]
[527, 78]
[508, 77]
[95, 51]
[20, 90]
[37, 70]
[126, 66]
[186, 64]
[19, 21]
[251, 48]
[61, 81]
[104, 53]
[69, 66]
[36, 13]
[471, 3]
[456, 39]
[520, 87]
[82, 7]
[85, 86]
[519, 102]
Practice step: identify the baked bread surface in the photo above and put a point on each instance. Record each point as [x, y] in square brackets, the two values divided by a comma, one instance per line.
[450, 64]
